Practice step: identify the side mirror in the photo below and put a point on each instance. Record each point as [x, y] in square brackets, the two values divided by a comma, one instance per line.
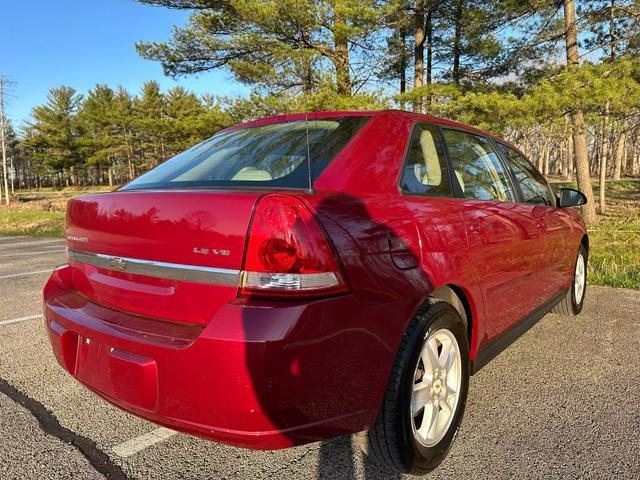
[571, 198]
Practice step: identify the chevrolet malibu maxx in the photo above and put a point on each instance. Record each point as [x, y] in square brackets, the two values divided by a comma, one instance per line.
[307, 276]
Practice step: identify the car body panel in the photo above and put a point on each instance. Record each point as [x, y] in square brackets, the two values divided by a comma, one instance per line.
[272, 373]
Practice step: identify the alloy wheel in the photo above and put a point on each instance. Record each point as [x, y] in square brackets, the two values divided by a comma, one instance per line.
[436, 387]
[579, 280]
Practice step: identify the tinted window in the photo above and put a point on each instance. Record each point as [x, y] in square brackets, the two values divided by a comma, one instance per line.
[425, 170]
[532, 184]
[274, 154]
[477, 167]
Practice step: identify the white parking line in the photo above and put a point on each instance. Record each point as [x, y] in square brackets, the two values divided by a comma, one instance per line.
[30, 253]
[133, 446]
[19, 319]
[39, 242]
[24, 274]
[15, 237]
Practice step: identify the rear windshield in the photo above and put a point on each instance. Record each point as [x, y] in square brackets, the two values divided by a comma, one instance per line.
[274, 154]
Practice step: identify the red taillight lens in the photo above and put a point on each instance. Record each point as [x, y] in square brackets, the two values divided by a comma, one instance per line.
[288, 254]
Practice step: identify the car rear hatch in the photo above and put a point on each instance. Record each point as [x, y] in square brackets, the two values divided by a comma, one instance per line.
[170, 244]
[170, 255]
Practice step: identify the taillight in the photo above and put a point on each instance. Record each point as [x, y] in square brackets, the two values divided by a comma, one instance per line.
[288, 254]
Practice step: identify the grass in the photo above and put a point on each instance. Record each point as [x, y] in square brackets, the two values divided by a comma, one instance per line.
[31, 222]
[614, 259]
[40, 212]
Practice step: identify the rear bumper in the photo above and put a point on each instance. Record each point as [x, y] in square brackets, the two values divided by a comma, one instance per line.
[262, 375]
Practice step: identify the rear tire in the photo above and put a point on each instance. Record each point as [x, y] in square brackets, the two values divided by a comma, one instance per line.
[432, 362]
[571, 305]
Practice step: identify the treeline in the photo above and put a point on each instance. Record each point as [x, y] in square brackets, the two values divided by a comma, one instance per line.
[560, 79]
[109, 136]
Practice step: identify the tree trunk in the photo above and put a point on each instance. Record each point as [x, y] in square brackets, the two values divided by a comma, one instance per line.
[429, 34]
[544, 161]
[577, 119]
[418, 52]
[402, 71]
[603, 162]
[110, 175]
[628, 154]
[457, 41]
[612, 31]
[564, 168]
[129, 154]
[72, 175]
[307, 86]
[341, 56]
[620, 153]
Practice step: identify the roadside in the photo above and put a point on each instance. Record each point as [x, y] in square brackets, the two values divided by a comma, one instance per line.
[39, 212]
[614, 257]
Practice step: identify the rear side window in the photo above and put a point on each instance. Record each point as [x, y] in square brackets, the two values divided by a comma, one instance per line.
[274, 154]
[477, 167]
[425, 169]
[534, 187]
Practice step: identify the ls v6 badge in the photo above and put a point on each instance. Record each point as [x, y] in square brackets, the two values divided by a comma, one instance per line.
[211, 251]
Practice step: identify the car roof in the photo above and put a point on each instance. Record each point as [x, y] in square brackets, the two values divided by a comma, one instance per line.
[362, 113]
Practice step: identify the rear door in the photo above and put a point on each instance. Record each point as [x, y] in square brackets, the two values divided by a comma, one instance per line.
[503, 239]
[428, 194]
[553, 223]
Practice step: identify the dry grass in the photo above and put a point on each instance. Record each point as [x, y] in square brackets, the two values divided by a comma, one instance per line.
[43, 213]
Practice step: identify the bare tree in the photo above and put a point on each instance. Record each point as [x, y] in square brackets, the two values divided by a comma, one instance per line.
[2, 141]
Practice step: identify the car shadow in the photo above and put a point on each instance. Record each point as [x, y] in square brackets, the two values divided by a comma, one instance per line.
[338, 460]
[280, 372]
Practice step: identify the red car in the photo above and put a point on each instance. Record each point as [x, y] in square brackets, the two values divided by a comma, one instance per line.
[308, 276]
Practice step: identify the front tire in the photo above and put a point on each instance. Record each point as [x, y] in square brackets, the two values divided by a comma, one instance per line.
[571, 305]
[426, 394]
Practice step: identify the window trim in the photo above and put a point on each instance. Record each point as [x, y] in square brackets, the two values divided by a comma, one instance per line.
[513, 175]
[510, 180]
[405, 157]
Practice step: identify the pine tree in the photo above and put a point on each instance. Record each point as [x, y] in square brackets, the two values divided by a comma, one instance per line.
[274, 44]
[123, 121]
[53, 134]
[96, 118]
[149, 113]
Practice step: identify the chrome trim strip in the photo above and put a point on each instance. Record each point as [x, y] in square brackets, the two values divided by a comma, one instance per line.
[150, 268]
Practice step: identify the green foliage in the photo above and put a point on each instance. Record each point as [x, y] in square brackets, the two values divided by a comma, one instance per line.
[614, 257]
[111, 136]
[494, 65]
[52, 137]
[257, 106]
[293, 36]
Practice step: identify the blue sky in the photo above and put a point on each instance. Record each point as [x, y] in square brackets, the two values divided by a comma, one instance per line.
[83, 42]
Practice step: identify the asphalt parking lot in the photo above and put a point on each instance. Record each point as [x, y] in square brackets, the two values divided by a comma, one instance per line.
[562, 402]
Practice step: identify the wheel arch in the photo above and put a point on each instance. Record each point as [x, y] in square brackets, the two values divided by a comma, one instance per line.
[584, 241]
[461, 301]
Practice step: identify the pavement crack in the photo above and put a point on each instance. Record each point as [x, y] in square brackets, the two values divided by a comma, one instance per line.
[49, 424]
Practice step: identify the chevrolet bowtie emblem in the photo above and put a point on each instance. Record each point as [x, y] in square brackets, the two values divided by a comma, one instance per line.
[118, 264]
